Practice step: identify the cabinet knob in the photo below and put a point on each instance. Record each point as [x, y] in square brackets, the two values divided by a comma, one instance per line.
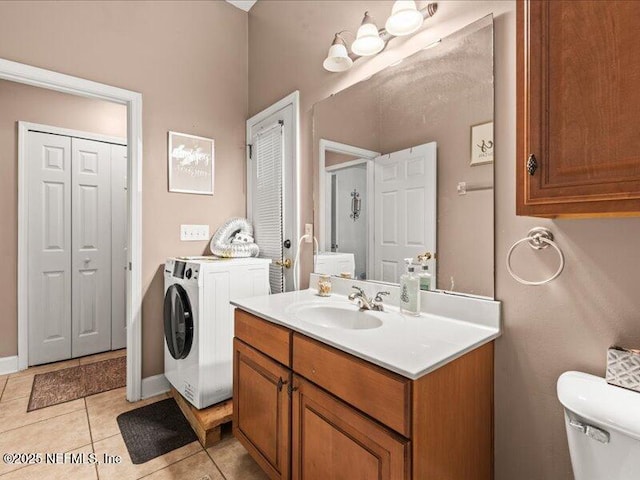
[532, 164]
[281, 382]
[291, 389]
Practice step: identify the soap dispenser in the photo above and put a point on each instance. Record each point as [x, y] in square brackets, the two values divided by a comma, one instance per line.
[425, 276]
[409, 290]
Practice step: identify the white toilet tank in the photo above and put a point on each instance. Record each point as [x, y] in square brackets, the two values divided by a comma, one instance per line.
[603, 427]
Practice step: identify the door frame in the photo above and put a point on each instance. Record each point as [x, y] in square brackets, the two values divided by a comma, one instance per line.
[23, 234]
[39, 77]
[292, 99]
[365, 156]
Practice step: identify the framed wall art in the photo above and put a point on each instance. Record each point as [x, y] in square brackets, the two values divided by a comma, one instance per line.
[191, 164]
[482, 143]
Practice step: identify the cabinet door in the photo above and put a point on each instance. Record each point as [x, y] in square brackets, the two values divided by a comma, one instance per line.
[262, 409]
[578, 68]
[332, 440]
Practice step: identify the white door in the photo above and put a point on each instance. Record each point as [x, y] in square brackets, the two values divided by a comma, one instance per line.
[49, 246]
[118, 246]
[271, 192]
[405, 210]
[91, 240]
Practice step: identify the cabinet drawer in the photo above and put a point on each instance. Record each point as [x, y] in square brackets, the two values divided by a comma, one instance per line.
[272, 340]
[383, 395]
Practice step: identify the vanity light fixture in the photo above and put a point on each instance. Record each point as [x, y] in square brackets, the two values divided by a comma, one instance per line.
[368, 41]
[338, 59]
[405, 19]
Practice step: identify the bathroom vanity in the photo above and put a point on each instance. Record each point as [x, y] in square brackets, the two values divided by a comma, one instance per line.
[394, 399]
[325, 391]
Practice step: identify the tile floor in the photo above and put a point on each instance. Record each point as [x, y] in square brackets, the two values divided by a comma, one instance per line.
[88, 426]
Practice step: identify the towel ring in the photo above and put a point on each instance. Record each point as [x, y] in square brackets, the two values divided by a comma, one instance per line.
[538, 238]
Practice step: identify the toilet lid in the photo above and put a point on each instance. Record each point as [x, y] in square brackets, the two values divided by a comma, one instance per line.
[594, 399]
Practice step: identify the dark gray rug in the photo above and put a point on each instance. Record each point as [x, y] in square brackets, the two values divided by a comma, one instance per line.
[155, 429]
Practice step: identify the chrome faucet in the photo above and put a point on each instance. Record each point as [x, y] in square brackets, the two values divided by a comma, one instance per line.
[365, 303]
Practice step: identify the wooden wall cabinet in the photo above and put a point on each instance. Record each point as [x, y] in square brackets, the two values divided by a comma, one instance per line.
[307, 411]
[578, 108]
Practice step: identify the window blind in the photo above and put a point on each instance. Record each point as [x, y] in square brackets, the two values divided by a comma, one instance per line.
[268, 200]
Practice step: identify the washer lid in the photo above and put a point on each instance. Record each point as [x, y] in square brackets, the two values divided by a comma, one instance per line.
[594, 399]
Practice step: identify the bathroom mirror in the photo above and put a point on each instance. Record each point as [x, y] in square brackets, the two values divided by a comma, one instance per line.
[405, 169]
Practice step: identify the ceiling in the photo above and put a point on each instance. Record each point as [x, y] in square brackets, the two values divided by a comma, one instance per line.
[243, 4]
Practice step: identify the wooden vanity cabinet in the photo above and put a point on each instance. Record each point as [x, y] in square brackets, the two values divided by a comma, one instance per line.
[262, 409]
[307, 411]
[578, 104]
[330, 439]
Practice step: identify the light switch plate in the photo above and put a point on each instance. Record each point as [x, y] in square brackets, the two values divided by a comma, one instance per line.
[308, 231]
[194, 233]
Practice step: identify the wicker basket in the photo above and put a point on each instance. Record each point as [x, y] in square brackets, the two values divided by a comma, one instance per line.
[623, 368]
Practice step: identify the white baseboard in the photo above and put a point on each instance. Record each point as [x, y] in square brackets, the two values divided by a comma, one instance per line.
[8, 365]
[155, 385]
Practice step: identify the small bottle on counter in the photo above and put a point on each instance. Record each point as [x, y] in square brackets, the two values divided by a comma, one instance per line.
[409, 290]
[324, 286]
[425, 276]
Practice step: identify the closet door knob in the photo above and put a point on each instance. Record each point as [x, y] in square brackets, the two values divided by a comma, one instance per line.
[87, 260]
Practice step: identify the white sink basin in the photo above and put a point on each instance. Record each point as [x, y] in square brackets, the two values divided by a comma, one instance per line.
[341, 315]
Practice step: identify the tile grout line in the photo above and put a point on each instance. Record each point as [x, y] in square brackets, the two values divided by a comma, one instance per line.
[214, 463]
[40, 421]
[21, 373]
[168, 465]
[4, 387]
[25, 372]
[139, 401]
[35, 464]
[93, 447]
[201, 448]
[21, 396]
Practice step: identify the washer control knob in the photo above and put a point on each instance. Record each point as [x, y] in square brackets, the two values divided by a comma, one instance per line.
[188, 273]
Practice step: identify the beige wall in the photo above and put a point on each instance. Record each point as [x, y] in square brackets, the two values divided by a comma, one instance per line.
[189, 61]
[562, 326]
[37, 105]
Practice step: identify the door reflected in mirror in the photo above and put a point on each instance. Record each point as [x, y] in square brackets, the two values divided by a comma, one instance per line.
[400, 174]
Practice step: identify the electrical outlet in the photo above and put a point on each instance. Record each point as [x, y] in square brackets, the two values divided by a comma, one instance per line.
[194, 233]
[308, 231]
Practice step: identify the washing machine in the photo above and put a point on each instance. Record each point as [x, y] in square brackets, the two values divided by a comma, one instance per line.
[198, 322]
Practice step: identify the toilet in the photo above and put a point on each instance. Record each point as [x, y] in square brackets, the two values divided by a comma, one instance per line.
[603, 427]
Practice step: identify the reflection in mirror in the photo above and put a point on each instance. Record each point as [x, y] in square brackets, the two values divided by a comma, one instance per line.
[406, 169]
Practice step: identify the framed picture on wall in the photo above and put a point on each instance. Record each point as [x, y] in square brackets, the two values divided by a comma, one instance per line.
[482, 143]
[191, 164]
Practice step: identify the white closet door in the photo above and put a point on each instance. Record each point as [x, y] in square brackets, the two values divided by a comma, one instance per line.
[405, 210]
[91, 239]
[118, 246]
[49, 276]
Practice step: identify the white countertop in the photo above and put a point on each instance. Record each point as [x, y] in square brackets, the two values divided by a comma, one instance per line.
[407, 345]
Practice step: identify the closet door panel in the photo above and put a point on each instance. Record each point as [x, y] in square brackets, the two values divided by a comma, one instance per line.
[91, 240]
[49, 247]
